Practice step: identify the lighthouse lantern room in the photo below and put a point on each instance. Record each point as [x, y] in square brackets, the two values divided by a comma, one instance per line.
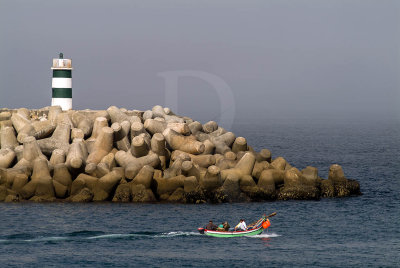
[62, 83]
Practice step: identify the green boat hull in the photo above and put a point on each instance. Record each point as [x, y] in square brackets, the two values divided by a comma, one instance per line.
[233, 233]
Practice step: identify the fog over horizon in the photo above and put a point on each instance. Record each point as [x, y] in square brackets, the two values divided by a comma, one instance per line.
[304, 59]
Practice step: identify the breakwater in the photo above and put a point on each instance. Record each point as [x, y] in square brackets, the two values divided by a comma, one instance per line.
[134, 156]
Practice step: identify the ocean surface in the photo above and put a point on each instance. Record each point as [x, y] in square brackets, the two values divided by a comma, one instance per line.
[358, 231]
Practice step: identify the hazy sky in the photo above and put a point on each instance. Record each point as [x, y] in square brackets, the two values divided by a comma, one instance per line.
[293, 59]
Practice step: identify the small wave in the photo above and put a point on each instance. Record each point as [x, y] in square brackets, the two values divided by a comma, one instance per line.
[91, 235]
[85, 233]
[111, 236]
[37, 239]
[45, 239]
[178, 233]
[264, 235]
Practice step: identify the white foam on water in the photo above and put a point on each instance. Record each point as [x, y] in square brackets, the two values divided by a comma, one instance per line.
[103, 236]
[111, 236]
[264, 235]
[178, 233]
[44, 239]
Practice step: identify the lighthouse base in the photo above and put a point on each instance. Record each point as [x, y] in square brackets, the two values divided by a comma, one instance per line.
[65, 103]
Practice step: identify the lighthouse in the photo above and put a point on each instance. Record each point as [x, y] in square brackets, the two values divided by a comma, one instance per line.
[62, 83]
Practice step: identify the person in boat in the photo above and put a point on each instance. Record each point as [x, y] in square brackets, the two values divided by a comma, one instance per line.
[241, 226]
[226, 226]
[211, 226]
[221, 227]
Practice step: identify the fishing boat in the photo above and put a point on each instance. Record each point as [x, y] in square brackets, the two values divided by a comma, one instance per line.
[255, 228]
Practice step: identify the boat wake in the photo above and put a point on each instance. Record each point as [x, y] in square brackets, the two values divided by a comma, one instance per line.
[264, 235]
[90, 235]
[95, 235]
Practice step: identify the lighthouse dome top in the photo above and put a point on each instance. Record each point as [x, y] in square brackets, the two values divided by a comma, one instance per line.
[61, 63]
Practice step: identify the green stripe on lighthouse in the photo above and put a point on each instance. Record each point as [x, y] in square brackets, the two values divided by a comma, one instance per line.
[62, 93]
[62, 73]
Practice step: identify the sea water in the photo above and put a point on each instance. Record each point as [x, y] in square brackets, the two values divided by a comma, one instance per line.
[358, 231]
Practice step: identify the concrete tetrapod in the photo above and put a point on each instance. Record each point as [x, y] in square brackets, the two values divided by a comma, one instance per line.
[157, 126]
[209, 147]
[82, 122]
[210, 126]
[190, 184]
[279, 163]
[59, 140]
[227, 161]
[77, 155]
[77, 133]
[264, 155]
[85, 195]
[139, 147]
[166, 187]
[19, 120]
[137, 128]
[190, 169]
[158, 146]
[4, 116]
[19, 151]
[159, 111]
[105, 166]
[62, 181]
[57, 157]
[106, 185]
[54, 111]
[231, 188]
[183, 143]
[222, 143]
[243, 167]
[218, 132]
[268, 175]
[140, 194]
[144, 177]
[212, 179]
[7, 156]
[175, 168]
[337, 185]
[31, 151]
[81, 182]
[123, 193]
[20, 180]
[195, 127]
[202, 160]
[132, 165]
[296, 187]
[269, 179]
[42, 129]
[8, 138]
[258, 168]
[40, 188]
[310, 175]
[121, 131]
[6, 123]
[101, 147]
[98, 124]
[116, 114]
[240, 144]
[8, 175]
[63, 118]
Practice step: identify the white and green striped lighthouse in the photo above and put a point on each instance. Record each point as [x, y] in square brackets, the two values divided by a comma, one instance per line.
[62, 83]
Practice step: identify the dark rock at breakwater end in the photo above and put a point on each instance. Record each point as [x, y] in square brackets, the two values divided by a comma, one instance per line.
[125, 155]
